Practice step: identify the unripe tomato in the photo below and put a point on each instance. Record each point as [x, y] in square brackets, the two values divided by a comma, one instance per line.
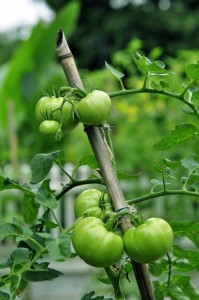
[96, 245]
[49, 127]
[94, 108]
[90, 202]
[149, 241]
[46, 105]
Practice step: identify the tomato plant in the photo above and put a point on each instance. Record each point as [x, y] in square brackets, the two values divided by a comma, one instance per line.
[149, 241]
[57, 109]
[94, 108]
[49, 127]
[92, 202]
[96, 245]
[41, 234]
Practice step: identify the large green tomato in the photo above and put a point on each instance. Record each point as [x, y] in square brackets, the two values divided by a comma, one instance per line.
[49, 127]
[91, 202]
[96, 245]
[46, 105]
[94, 108]
[149, 241]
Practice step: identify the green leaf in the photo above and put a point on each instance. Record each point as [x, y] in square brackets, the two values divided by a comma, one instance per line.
[90, 161]
[90, 295]
[142, 63]
[41, 164]
[104, 280]
[187, 228]
[4, 296]
[195, 97]
[189, 163]
[59, 247]
[9, 184]
[115, 72]
[8, 230]
[121, 175]
[181, 288]
[30, 208]
[157, 68]
[19, 256]
[164, 84]
[159, 290]
[188, 259]
[182, 133]
[36, 275]
[46, 199]
[158, 267]
[192, 71]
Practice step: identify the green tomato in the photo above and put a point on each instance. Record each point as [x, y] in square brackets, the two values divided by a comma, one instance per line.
[49, 127]
[94, 108]
[149, 241]
[95, 245]
[91, 202]
[46, 105]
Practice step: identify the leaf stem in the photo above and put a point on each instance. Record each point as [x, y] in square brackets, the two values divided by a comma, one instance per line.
[155, 91]
[74, 184]
[162, 193]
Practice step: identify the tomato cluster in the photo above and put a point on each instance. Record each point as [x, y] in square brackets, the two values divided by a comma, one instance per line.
[68, 111]
[53, 111]
[99, 247]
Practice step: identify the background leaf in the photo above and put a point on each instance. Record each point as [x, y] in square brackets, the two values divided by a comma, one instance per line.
[182, 133]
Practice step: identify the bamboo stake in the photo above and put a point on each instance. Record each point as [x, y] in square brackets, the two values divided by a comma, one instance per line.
[102, 156]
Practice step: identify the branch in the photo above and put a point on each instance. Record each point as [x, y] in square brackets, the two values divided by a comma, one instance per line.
[161, 194]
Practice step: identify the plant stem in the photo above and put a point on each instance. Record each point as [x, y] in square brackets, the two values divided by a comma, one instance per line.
[114, 278]
[162, 193]
[74, 184]
[180, 97]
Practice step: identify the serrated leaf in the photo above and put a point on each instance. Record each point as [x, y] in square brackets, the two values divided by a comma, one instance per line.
[89, 160]
[36, 276]
[41, 164]
[192, 71]
[157, 68]
[46, 199]
[189, 163]
[19, 256]
[187, 228]
[158, 267]
[9, 184]
[188, 290]
[8, 230]
[142, 63]
[182, 133]
[59, 248]
[30, 208]
[171, 164]
[115, 72]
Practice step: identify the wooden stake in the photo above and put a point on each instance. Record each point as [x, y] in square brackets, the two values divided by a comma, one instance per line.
[102, 156]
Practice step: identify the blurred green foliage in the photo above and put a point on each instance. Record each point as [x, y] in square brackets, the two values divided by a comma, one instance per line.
[137, 121]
